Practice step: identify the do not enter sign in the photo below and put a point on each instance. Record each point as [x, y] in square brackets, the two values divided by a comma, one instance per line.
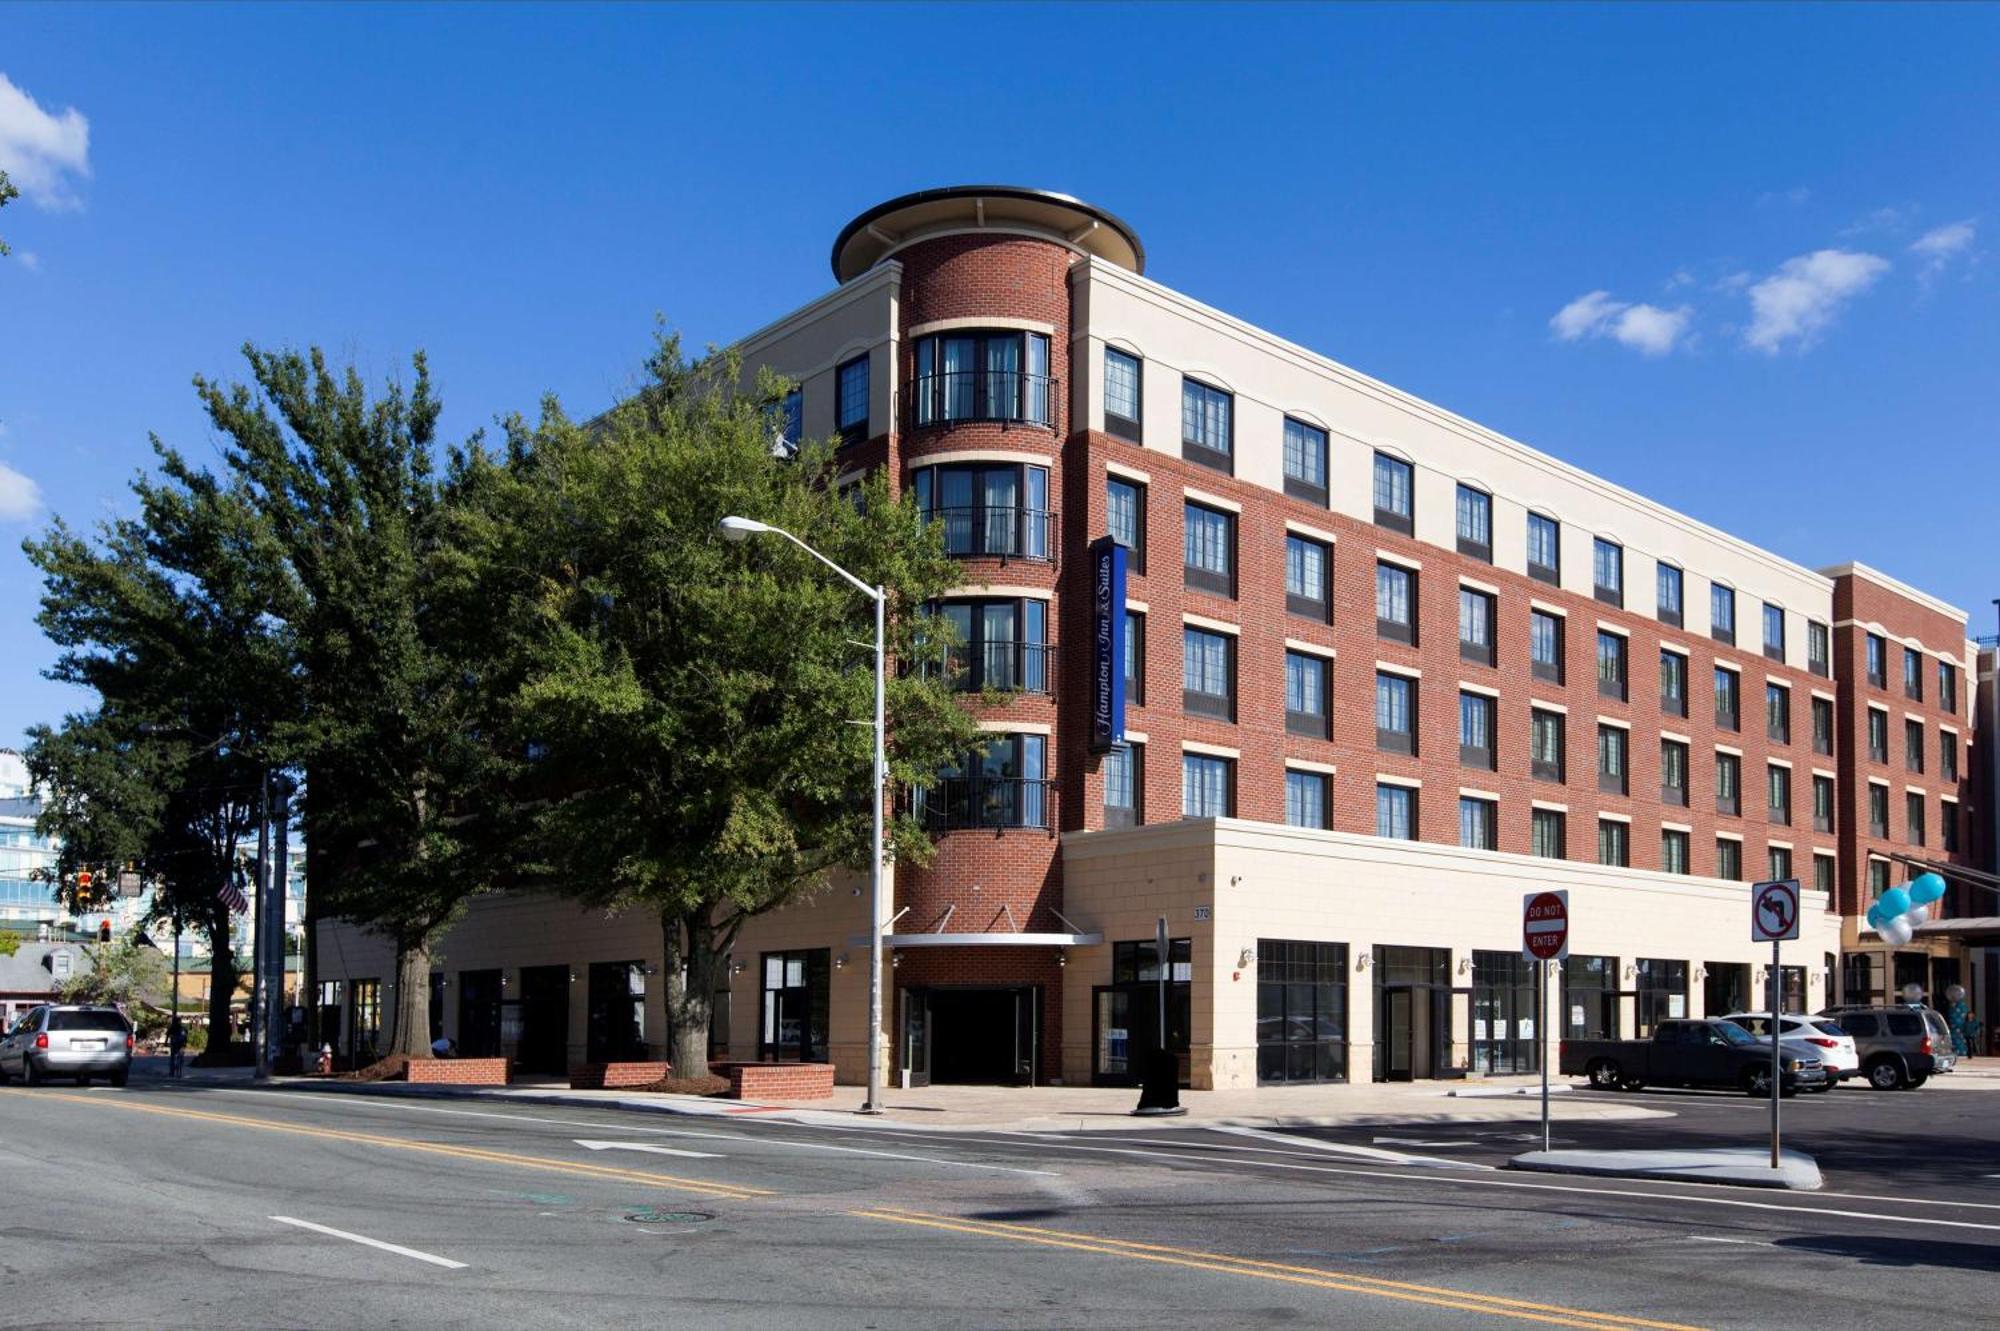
[1545, 926]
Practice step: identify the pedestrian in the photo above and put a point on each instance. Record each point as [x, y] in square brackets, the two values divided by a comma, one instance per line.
[177, 1038]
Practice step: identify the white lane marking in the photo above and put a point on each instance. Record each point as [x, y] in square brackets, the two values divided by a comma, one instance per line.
[651, 1150]
[1374, 1153]
[396, 1248]
[388, 1104]
[1417, 1141]
[1717, 1238]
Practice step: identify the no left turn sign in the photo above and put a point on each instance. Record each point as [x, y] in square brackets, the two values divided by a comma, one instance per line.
[1774, 911]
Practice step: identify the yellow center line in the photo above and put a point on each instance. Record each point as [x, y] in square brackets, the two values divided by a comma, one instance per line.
[737, 1192]
[1462, 1300]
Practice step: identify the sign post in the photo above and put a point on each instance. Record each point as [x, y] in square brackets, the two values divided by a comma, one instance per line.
[1774, 917]
[1544, 939]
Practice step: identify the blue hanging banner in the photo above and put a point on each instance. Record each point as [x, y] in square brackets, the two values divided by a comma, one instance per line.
[1107, 656]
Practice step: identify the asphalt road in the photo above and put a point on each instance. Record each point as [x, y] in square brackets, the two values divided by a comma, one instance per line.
[181, 1206]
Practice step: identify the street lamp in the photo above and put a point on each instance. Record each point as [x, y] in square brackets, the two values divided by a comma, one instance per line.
[737, 529]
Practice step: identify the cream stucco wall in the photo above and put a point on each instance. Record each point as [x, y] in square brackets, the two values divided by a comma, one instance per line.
[809, 343]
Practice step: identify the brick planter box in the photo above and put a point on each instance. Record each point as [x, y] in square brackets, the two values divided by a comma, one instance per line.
[777, 1081]
[459, 1071]
[612, 1076]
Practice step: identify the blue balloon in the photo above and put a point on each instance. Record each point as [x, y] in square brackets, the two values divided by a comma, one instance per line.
[1893, 903]
[1875, 917]
[1926, 888]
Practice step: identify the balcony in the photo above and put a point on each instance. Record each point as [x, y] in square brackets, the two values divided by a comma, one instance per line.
[986, 801]
[1000, 531]
[960, 397]
[1005, 666]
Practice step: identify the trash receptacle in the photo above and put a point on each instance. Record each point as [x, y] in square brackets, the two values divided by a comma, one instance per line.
[1160, 1085]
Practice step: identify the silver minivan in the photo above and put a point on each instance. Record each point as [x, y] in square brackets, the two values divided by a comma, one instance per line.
[68, 1040]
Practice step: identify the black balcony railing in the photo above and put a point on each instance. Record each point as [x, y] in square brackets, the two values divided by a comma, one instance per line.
[1006, 531]
[986, 801]
[949, 397]
[1026, 667]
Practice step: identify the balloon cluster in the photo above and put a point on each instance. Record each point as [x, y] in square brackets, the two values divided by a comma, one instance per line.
[1897, 912]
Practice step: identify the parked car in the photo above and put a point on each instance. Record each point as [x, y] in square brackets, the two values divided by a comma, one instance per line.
[1900, 1047]
[1711, 1053]
[68, 1040]
[1836, 1047]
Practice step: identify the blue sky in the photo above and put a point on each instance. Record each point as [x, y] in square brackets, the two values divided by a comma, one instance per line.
[1739, 259]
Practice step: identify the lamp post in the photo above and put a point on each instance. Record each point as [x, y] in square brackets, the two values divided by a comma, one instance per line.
[737, 529]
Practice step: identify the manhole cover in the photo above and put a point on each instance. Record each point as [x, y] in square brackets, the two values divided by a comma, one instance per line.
[650, 1216]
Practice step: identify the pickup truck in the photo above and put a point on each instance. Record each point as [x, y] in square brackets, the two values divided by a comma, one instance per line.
[1691, 1053]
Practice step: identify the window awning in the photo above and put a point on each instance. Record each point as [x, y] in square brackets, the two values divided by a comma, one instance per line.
[981, 940]
[1983, 924]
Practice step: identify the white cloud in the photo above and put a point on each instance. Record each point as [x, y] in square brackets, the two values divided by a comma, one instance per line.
[29, 260]
[1799, 301]
[20, 497]
[43, 154]
[1681, 278]
[1940, 245]
[1891, 219]
[1645, 328]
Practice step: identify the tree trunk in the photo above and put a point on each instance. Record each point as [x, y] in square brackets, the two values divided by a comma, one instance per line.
[222, 978]
[690, 974]
[412, 1031]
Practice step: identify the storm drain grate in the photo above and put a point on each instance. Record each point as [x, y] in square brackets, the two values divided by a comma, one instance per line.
[647, 1215]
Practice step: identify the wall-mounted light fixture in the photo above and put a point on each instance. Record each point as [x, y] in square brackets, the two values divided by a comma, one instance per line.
[1465, 965]
[840, 962]
[1362, 964]
[895, 960]
[1246, 959]
[1630, 970]
[738, 967]
[1062, 957]
[1701, 972]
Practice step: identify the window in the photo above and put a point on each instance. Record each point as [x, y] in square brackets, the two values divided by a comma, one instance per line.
[1722, 613]
[1948, 826]
[1728, 707]
[1610, 665]
[1127, 1016]
[1546, 834]
[1673, 772]
[1673, 683]
[1607, 571]
[1476, 725]
[792, 1013]
[1614, 843]
[1306, 578]
[1305, 799]
[1822, 796]
[998, 644]
[1207, 432]
[1395, 713]
[1545, 745]
[1674, 851]
[1948, 687]
[1301, 1011]
[970, 375]
[1947, 756]
[791, 422]
[1395, 602]
[1878, 878]
[1208, 786]
[1305, 461]
[1475, 523]
[1211, 549]
[1669, 583]
[1913, 674]
[1208, 674]
[1476, 614]
[1125, 517]
[1778, 793]
[1819, 649]
[1878, 735]
[1822, 725]
[1005, 783]
[1777, 713]
[1395, 812]
[1135, 658]
[1305, 696]
[1729, 859]
[1478, 823]
[1913, 814]
[367, 1027]
[1728, 783]
[1878, 661]
[1774, 632]
[1662, 985]
[1545, 645]
[1823, 874]
[1394, 502]
[1878, 810]
[1913, 746]
[1121, 394]
[1613, 746]
[1123, 785]
[1544, 548]
[989, 509]
[851, 400]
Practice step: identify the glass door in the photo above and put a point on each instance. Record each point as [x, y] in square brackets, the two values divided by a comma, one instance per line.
[917, 1037]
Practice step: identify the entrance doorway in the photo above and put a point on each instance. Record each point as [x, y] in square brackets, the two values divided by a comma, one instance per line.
[972, 1036]
[544, 1043]
[1413, 1002]
[479, 1014]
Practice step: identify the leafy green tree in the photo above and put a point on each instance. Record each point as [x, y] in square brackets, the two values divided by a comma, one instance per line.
[122, 972]
[10, 942]
[8, 193]
[701, 711]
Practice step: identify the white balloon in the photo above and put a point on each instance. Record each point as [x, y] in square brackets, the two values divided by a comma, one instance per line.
[1895, 932]
[1916, 915]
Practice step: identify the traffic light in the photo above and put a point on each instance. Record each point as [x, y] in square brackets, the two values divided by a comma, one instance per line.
[104, 931]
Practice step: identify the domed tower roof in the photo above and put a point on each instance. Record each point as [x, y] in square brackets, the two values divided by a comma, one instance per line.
[869, 238]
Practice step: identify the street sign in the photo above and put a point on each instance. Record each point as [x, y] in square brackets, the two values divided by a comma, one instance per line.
[1774, 911]
[1545, 926]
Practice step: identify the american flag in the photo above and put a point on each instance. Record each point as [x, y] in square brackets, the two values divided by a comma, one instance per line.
[232, 896]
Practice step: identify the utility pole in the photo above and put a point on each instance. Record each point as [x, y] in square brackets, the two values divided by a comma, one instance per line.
[261, 944]
[281, 877]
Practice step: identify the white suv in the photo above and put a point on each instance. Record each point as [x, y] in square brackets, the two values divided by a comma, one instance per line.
[1834, 1046]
